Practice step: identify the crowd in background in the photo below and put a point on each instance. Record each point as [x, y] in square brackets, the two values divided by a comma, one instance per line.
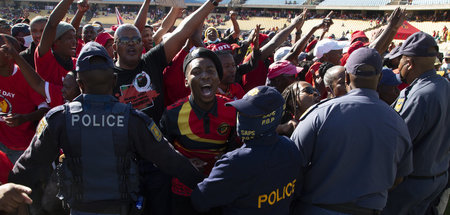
[38, 72]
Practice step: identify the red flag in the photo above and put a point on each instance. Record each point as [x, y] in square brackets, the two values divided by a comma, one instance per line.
[119, 17]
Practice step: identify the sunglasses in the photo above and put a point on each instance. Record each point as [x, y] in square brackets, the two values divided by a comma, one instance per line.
[127, 41]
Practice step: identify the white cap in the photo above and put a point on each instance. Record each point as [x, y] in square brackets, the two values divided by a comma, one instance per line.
[326, 45]
[281, 52]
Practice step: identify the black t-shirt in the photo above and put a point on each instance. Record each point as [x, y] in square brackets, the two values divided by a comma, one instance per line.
[143, 86]
[28, 54]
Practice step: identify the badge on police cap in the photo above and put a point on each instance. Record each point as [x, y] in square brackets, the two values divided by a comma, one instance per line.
[399, 104]
[253, 92]
[41, 127]
[155, 131]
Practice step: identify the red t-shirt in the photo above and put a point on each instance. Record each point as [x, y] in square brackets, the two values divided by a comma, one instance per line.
[17, 97]
[256, 77]
[173, 76]
[53, 94]
[49, 69]
[234, 92]
[5, 167]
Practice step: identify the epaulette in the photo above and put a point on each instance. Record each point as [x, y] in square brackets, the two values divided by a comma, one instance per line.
[151, 125]
[54, 110]
[313, 107]
[141, 115]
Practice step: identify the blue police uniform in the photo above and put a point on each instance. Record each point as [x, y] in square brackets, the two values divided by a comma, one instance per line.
[101, 139]
[355, 147]
[260, 177]
[424, 106]
[95, 132]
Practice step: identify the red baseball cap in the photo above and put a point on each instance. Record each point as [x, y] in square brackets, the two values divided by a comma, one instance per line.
[358, 34]
[103, 37]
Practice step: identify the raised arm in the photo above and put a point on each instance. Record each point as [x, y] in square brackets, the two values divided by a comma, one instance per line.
[167, 23]
[186, 28]
[82, 8]
[50, 28]
[328, 22]
[300, 45]
[236, 29]
[395, 21]
[32, 78]
[141, 18]
[281, 36]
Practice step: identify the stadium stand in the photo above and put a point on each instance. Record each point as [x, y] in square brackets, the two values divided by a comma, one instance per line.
[274, 2]
[202, 1]
[430, 2]
[354, 2]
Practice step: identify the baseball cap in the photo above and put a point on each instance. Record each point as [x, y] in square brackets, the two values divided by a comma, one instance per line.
[62, 28]
[326, 45]
[282, 67]
[357, 34]
[281, 52]
[4, 24]
[92, 49]
[203, 53]
[219, 47]
[103, 38]
[389, 78]
[20, 27]
[419, 44]
[395, 52]
[259, 101]
[364, 62]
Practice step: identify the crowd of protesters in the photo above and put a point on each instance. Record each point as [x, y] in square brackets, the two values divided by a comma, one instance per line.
[366, 119]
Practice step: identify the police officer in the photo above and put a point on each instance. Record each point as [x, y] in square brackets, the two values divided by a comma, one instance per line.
[355, 146]
[424, 105]
[101, 139]
[260, 177]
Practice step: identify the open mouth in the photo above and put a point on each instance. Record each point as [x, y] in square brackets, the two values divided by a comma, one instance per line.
[207, 90]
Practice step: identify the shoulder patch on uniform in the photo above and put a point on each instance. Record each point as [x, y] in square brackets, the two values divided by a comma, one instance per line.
[310, 109]
[153, 128]
[41, 127]
[399, 104]
[54, 110]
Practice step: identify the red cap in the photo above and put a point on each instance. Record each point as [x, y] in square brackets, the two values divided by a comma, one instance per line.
[114, 28]
[219, 47]
[358, 34]
[311, 45]
[103, 37]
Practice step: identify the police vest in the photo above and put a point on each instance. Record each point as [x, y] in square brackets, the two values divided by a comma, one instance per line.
[99, 164]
